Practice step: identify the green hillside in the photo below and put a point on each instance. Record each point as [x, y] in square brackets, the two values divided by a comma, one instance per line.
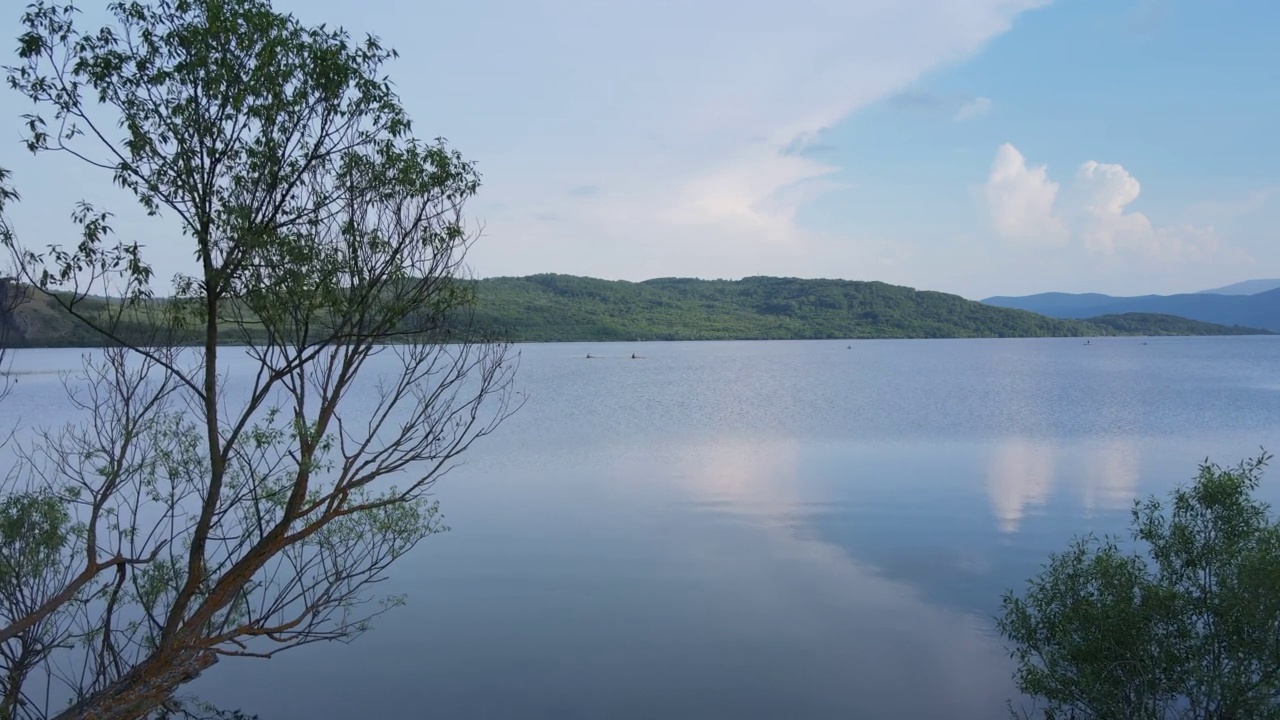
[542, 308]
[1152, 324]
[33, 319]
[549, 308]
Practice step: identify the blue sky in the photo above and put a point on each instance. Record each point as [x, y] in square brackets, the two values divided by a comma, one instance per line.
[973, 146]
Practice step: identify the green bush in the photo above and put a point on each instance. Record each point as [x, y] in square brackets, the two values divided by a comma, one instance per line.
[1186, 625]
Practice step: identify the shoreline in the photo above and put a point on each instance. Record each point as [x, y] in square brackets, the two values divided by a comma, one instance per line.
[747, 339]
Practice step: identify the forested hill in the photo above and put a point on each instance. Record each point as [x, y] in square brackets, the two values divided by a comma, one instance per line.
[546, 308]
[1153, 324]
[564, 307]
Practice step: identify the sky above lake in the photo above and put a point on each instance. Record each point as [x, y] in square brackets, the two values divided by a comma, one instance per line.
[979, 147]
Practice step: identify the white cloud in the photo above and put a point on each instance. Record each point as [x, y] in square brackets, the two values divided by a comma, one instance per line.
[633, 138]
[1020, 199]
[760, 192]
[1023, 206]
[1107, 188]
[1108, 230]
[690, 129]
[976, 108]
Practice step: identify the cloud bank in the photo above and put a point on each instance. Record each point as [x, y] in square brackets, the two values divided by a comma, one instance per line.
[699, 131]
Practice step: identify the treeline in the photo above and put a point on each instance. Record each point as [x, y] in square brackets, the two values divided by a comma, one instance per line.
[555, 308]
[1154, 324]
[547, 308]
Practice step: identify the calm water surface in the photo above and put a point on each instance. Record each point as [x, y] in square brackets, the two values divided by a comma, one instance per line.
[762, 529]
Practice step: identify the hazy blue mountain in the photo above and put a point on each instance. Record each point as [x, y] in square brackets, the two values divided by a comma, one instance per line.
[1261, 310]
[1056, 304]
[1248, 287]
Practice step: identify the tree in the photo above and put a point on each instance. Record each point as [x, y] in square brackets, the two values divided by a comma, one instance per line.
[1189, 628]
[222, 501]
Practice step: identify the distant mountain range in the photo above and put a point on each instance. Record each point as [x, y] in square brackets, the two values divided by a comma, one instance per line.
[1231, 305]
[543, 308]
[1248, 287]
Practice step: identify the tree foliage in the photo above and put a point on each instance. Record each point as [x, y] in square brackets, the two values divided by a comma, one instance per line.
[1151, 324]
[561, 307]
[196, 510]
[1187, 628]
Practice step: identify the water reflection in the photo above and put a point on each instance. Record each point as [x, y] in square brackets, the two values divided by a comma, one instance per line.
[760, 530]
[1019, 478]
[896, 644]
[1111, 476]
[758, 479]
[1021, 473]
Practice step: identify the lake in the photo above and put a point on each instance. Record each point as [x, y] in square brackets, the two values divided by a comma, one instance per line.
[762, 529]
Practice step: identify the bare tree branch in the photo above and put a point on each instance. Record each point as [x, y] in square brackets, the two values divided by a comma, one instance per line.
[240, 501]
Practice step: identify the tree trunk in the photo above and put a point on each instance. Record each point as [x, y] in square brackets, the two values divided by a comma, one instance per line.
[143, 689]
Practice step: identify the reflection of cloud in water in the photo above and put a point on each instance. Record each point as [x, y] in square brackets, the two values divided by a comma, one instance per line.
[1021, 472]
[750, 478]
[1019, 476]
[848, 626]
[1111, 475]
